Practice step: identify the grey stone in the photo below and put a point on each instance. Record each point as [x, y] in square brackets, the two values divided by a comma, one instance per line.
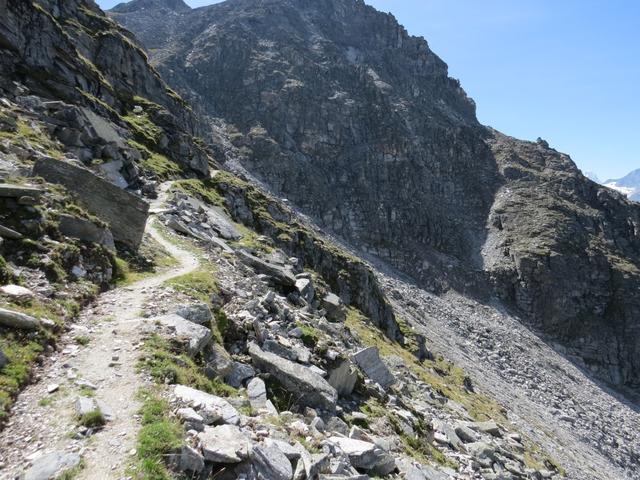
[125, 213]
[305, 288]
[371, 364]
[85, 230]
[195, 336]
[275, 347]
[337, 425]
[336, 311]
[188, 460]
[224, 444]
[466, 434]
[489, 427]
[239, 373]
[449, 433]
[51, 465]
[12, 319]
[311, 465]
[199, 313]
[365, 455]
[292, 452]
[411, 470]
[189, 415]
[270, 463]
[111, 172]
[17, 292]
[257, 392]
[343, 378]
[86, 405]
[218, 362]
[309, 388]
[280, 274]
[10, 234]
[202, 401]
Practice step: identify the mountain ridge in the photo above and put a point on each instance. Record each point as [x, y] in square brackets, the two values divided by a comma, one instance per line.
[628, 185]
[356, 122]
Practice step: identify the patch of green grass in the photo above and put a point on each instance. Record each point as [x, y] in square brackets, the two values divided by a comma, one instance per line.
[202, 189]
[35, 135]
[45, 402]
[82, 340]
[310, 335]
[159, 436]
[74, 472]
[93, 419]
[199, 284]
[157, 163]
[157, 259]
[22, 352]
[145, 131]
[166, 363]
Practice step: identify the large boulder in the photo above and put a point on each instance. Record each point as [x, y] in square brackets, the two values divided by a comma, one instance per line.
[224, 444]
[199, 313]
[269, 462]
[280, 274]
[343, 378]
[85, 230]
[51, 465]
[195, 336]
[309, 388]
[124, 212]
[365, 455]
[12, 319]
[371, 364]
[205, 402]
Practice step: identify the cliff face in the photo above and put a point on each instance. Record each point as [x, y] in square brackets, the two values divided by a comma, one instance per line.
[334, 106]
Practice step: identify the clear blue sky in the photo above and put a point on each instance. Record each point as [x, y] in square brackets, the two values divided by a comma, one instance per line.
[567, 71]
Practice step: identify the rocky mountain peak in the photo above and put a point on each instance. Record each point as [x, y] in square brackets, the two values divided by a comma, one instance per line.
[138, 5]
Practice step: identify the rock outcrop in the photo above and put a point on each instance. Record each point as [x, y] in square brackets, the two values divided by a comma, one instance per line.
[335, 107]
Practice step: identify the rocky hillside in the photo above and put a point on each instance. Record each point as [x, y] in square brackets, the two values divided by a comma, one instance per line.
[335, 107]
[163, 316]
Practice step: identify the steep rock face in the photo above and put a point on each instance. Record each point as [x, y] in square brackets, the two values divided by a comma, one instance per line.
[336, 107]
[70, 51]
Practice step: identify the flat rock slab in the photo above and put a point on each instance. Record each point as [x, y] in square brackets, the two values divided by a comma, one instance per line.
[202, 400]
[17, 191]
[257, 392]
[224, 444]
[51, 465]
[364, 455]
[196, 336]
[199, 313]
[280, 274]
[371, 364]
[343, 378]
[12, 319]
[124, 212]
[85, 230]
[270, 462]
[16, 291]
[309, 388]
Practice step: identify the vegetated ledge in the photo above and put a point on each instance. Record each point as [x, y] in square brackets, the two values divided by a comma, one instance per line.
[347, 275]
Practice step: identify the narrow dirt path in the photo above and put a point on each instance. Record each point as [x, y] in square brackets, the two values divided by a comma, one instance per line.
[41, 422]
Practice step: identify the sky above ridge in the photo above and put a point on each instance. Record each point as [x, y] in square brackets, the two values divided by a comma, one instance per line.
[567, 71]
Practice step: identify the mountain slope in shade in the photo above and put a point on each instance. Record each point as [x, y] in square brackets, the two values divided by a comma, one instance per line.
[629, 185]
[334, 106]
